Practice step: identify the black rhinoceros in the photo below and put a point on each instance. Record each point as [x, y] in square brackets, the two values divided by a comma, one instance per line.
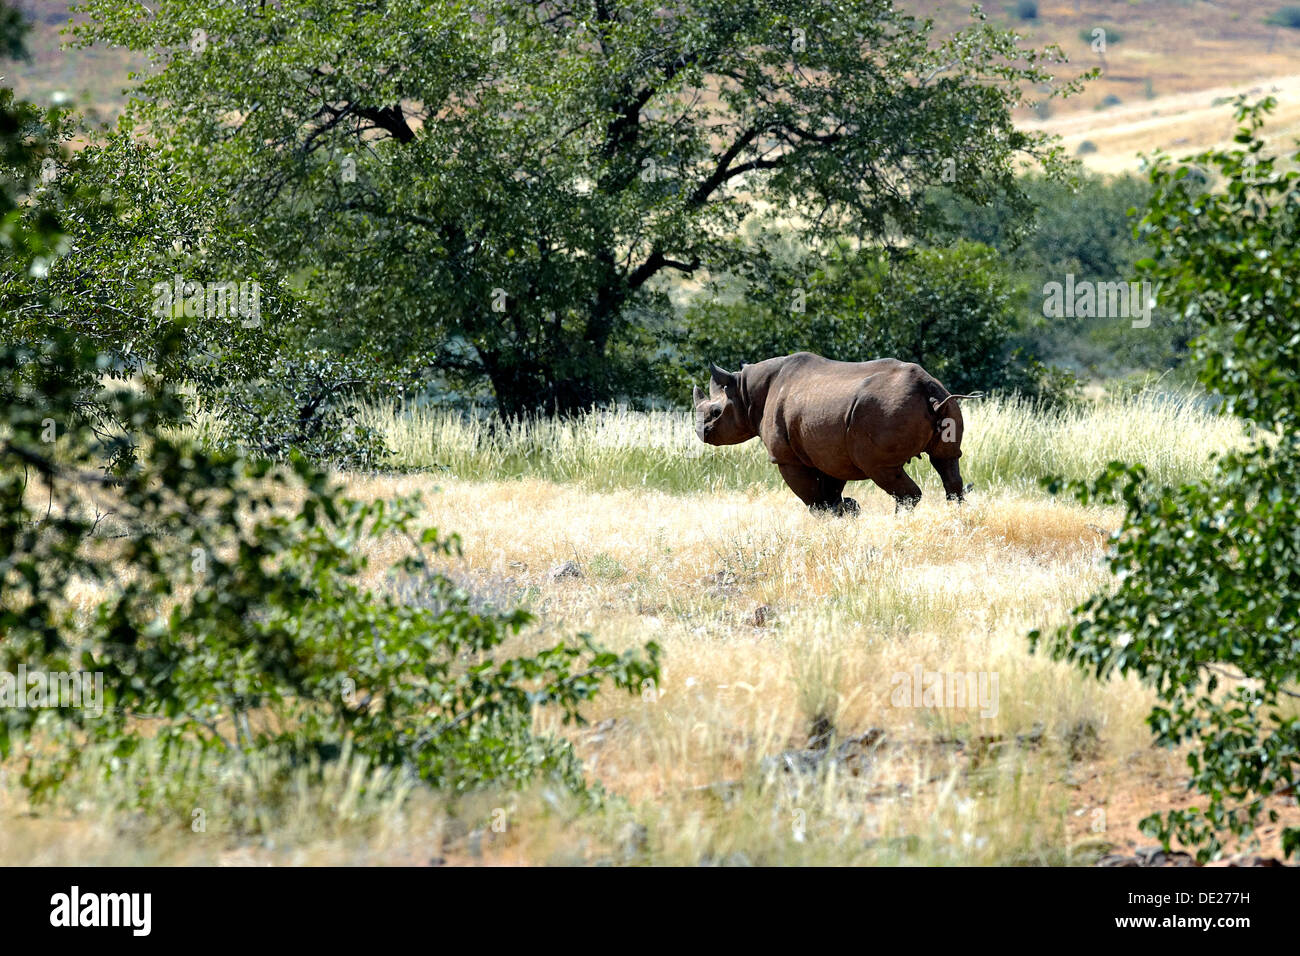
[826, 423]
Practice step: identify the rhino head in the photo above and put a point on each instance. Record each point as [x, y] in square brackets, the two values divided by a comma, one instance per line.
[720, 416]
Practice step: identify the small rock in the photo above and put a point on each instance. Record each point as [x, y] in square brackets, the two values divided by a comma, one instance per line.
[569, 569]
[1033, 737]
[1083, 740]
[1253, 859]
[762, 614]
[721, 584]
[1149, 856]
[853, 755]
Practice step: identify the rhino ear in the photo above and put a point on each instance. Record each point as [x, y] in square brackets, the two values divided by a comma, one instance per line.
[697, 394]
[719, 379]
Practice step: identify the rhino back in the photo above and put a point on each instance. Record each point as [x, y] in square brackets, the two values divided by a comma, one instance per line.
[847, 419]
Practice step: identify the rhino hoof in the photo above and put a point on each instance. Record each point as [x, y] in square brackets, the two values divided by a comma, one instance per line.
[847, 506]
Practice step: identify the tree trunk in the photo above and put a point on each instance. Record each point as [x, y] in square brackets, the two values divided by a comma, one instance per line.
[566, 375]
[530, 387]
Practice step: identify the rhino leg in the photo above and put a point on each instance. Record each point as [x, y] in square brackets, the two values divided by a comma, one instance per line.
[819, 491]
[950, 474]
[906, 492]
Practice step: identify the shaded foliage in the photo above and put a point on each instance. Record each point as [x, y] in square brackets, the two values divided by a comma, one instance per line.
[233, 617]
[952, 311]
[228, 612]
[1086, 228]
[493, 192]
[144, 258]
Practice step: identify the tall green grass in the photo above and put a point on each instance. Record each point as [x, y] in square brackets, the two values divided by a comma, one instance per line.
[1009, 444]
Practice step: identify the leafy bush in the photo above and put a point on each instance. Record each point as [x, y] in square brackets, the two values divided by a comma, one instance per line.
[1206, 607]
[233, 621]
[228, 617]
[143, 255]
[1082, 227]
[1085, 229]
[1027, 9]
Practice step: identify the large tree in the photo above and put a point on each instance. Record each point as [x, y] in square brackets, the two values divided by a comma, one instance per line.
[498, 188]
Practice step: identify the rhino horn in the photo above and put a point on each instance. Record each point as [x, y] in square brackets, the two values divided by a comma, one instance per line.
[719, 379]
[697, 394]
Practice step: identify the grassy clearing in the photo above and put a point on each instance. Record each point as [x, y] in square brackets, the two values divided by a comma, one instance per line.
[1010, 445]
[848, 606]
[777, 624]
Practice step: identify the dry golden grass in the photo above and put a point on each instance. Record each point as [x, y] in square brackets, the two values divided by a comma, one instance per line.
[1010, 444]
[773, 622]
[847, 605]
[684, 545]
[1170, 63]
[1062, 767]
[1181, 124]
[1160, 47]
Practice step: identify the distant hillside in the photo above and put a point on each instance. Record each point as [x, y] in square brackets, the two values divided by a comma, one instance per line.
[1180, 124]
[1153, 47]
[1167, 66]
[93, 78]
[1165, 63]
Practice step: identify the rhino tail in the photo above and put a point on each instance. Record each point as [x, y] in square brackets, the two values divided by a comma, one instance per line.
[937, 401]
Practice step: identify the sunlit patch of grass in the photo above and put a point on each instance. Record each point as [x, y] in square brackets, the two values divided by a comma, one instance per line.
[1010, 444]
[849, 604]
[776, 624]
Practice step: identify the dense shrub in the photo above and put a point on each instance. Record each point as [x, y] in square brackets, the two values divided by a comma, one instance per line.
[143, 259]
[1084, 229]
[1206, 603]
[950, 310]
[226, 611]
[229, 618]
